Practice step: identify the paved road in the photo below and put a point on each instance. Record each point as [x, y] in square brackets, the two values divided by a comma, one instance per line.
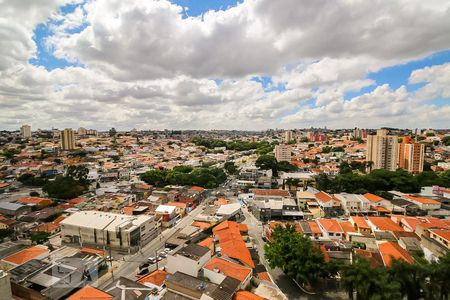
[128, 268]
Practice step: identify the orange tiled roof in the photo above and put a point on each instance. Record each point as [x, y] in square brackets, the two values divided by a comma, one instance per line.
[220, 201]
[93, 251]
[385, 224]
[128, 210]
[373, 198]
[445, 234]
[3, 185]
[202, 225]
[422, 200]
[330, 225]
[323, 197]
[33, 200]
[206, 242]
[228, 268]
[360, 222]
[46, 227]
[77, 200]
[90, 293]
[392, 251]
[243, 228]
[245, 295]
[177, 204]
[347, 226]
[264, 276]
[157, 278]
[231, 242]
[26, 255]
[197, 189]
[314, 227]
[260, 192]
[58, 220]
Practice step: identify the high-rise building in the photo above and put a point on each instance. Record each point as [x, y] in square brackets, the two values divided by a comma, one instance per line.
[359, 133]
[81, 131]
[67, 139]
[25, 131]
[283, 153]
[411, 155]
[382, 150]
[288, 136]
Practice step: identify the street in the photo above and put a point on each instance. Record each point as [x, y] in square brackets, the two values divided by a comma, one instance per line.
[130, 264]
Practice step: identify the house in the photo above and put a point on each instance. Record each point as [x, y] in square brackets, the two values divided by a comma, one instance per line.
[217, 269]
[231, 242]
[246, 295]
[353, 203]
[441, 236]
[208, 243]
[392, 251]
[156, 279]
[423, 203]
[90, 293]
[330, 228]
[180, 207]
[190, 259]
[303, 197]
[125, 289]
[316, 231]
[35, 201]
[23, 256]
[13, 209]
[383, 224]
[360, 224]
[184, 286]
[168, 214]
[263, 194]
[348, 229]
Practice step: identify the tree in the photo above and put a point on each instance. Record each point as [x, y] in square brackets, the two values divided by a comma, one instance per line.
[64, 188]
[34, 194]
[112, 132]
[78, 173]
[286, 167]
[411, 277]
[438, 274]
[267, 162]
[446, 140]
[304, 140]
[294, 253]
[9, 152]
[40, 237]
[230, 167]
[31, 180]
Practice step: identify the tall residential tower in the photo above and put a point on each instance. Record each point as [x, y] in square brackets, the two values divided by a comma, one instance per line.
[67, 139]
[382, 150]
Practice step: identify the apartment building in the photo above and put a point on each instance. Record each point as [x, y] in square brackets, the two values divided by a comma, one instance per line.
[25, 131]
[109, 230]
[382, 150]
[283, 153]
[67, 139]
[411, 155]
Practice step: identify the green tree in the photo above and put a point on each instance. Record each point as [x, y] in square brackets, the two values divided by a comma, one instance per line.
[64, 188]
[9, 152]
[40, 237]
[230, 167]
[439, 273]
[267, 162]
[295, 255]
[446, 140]
[78, 173]
[286, 167]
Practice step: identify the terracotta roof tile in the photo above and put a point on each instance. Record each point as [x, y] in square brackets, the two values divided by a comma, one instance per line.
[26, 255]
[392, 251]
[90, 293]
[228, 268]
[157, 278]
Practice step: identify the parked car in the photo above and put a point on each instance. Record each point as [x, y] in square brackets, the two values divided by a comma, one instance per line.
[163, 254]
[144, 266]
[152, 260]
[167, 250]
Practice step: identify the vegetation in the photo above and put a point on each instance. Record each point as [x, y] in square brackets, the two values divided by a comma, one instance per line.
[328, 149]
[31, 180]
[446, 140]
[5, 233]
[40, 237]
[34, 194]
[9, 152]
[382, 180]
[295, 254]
[263, 147]
[72, 185]
[269, 162]
[186, 175]
[230, 167]
[401, 281]
[346, 167]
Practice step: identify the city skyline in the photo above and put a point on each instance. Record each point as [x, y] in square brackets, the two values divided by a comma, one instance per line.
[243, 65]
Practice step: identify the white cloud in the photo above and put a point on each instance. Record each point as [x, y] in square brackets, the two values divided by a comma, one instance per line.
[148, 67]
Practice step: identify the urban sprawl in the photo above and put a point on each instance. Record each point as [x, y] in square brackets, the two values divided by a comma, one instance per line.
[279, 214]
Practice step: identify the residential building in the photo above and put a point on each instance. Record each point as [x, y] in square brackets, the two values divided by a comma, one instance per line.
[283, 152]
[217, 269]
[423, 203]
[23, 256]
[67, 139]
[89, 292]
[441, 236]
[189, 260]
[5, 285]
[25, 131]
[392, 251]
[81, 131]
[411, 155]
[359, 133]
[288, 136]
[382, 150]
[330, 228]
[109, 230]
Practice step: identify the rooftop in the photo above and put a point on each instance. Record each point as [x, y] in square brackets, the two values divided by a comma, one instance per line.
[228, 268]
[193, 251]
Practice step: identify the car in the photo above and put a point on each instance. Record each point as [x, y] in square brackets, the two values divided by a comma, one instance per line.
[143, 272]
[167, 250]
[144, 266]
[163, 254]
[152, 259]
[159, 258]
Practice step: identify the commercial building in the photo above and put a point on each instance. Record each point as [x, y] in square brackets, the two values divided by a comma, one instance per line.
[382, 150]
[67, 139]
[109, 230]
[25, 131]
[411, 155]
[283, 153]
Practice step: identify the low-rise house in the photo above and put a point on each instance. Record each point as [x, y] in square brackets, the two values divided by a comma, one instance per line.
[330, 228]
[303, 197]
[423, 203]
[360, 224]
[392, 251]
[168, 214]
[263, 194]
[383, 224]
[125, 289]
[155, 279]
[217, 269]
[23, 256]
[35, 201]
[13, 209]
[89, 292]
[442, 236]
[189, 259]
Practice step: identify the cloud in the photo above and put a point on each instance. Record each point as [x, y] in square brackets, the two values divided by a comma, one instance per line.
[142, 64]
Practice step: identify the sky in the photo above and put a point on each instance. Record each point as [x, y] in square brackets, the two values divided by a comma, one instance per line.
[247, 64]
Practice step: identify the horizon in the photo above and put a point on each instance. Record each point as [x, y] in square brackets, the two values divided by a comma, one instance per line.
[228, 65]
